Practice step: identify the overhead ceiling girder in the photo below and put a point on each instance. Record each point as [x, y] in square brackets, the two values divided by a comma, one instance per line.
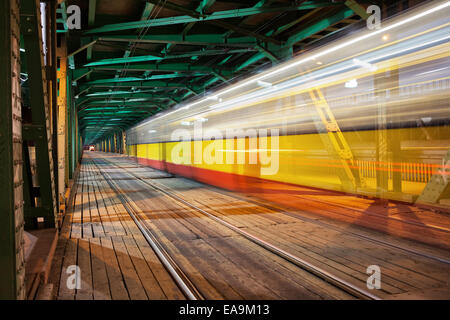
[174, 67]
[194, 16]
[194, 39]
[141, 84]
[165, 57]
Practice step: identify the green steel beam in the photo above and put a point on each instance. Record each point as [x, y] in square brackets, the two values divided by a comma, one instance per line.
[37, 131]
[147, 10]
[267, 53]
[272, 56]
[192, 39]
[266, 48]
[174, 67]
[63, 12]
[319, 26]
[86, 46]
[173, 6]
[110, 120]
[301, 35]
[259, 4]
[105, 124]
[256, 57]
[154, 77]
[109, 116]
[82, 75]
[106, 121]
[94, 107]
[126, 59]
[294, 22]
[119, 102]
[71, 127]
[116, 101]
[357, 8]
[202, 7]
[91, 13]
[165, 57]
[243, 12]
[139, 84]
[116, 110]
[79, 72]
[210, 82]
[113, 111]
[83, 91]
[126, 97]
[124, 102]
[91, 21]
[127, 94]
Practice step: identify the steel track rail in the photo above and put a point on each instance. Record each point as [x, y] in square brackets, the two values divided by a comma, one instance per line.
[319, 272]
[180, 278]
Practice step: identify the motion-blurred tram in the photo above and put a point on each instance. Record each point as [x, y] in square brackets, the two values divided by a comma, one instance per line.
[366, 114]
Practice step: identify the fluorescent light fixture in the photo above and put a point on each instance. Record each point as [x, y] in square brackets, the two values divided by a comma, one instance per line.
[202, 119]
[185, 123]
[351, 83]
[22, 49]
[151, 131]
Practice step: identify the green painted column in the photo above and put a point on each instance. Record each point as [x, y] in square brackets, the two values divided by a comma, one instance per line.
[38, 130]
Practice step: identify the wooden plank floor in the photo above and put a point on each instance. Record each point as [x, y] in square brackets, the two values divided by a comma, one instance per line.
[116, 262]
[330, 245]
[99, 237]
[391, 217]
[341, 248]
[219, 262]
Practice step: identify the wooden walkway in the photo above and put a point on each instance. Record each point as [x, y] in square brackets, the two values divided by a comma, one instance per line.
[390, 217]
[115, 261]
